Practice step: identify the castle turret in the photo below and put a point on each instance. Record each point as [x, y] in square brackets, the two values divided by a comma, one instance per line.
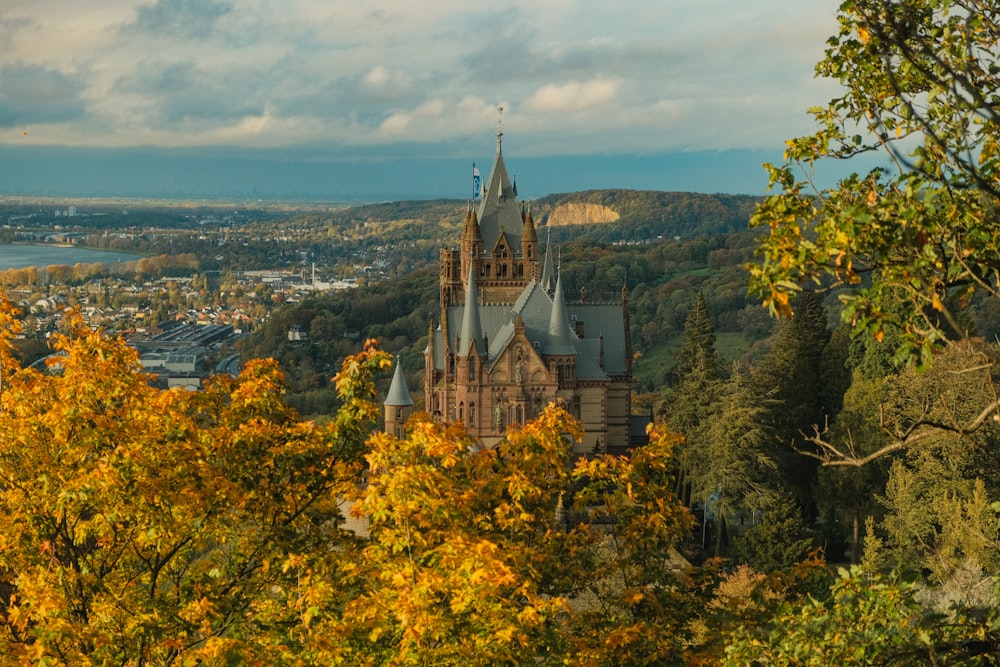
[472, 240]
[529, 242]
[397, 403]
[472, 329]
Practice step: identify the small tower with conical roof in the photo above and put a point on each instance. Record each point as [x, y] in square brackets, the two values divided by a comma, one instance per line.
[471, 244]
[397, 403]
[559, 348]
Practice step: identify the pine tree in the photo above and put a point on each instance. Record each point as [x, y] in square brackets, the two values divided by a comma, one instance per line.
[791, 377]
[695, 393]
[698, 341]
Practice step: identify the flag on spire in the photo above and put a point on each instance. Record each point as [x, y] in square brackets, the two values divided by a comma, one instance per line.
[477, 182]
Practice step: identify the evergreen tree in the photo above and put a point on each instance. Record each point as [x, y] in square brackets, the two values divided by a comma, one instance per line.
[698, 341]
[690, 407]
[733, 468]
[695, 393]
[791, 377]
[778, 538]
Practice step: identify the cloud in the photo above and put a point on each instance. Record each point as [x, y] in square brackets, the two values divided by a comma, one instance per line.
[191, 19]
[388, 75]
[174, 93]
[574, 96]
[31, 95]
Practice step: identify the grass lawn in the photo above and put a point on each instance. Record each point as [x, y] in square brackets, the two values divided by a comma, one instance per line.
[652, 366]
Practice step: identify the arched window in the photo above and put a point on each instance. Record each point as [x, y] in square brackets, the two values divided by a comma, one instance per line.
[519, 415]
[472, 414]
[472, 369]
[461, 411]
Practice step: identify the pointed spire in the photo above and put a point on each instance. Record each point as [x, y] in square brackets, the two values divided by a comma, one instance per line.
[499, 126]
[471, 230]
[429, 350]
[529, 235]
[548, 275]
[472, 329]
[399, 395]
[559, 339]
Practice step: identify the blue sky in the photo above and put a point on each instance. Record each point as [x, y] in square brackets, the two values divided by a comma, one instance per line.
[396, 98]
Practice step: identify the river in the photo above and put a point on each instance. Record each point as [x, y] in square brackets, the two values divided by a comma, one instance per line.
[20, 256]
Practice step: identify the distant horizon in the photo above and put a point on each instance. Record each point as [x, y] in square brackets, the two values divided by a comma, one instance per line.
[314, 176]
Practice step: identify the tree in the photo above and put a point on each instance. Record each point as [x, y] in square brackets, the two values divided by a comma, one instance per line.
[790, 378]
[482, 557]
[939, 487]
[734, 468]
[697, 344]
[778, 539]
[848, 493]
[695, 393]
[868, 620]
[920, 86]
[149, 527]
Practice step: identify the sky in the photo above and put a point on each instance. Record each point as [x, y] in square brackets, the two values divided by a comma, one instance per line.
[397, 98]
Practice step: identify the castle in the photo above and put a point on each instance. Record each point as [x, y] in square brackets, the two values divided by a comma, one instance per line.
[509, 342]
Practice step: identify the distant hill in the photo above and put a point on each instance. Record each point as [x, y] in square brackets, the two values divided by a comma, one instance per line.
[600, 215]
[636, 215]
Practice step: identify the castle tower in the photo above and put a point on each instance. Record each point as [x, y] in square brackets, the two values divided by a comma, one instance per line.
[397, 403]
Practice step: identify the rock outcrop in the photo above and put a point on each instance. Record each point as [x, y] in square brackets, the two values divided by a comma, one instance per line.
[581, 213]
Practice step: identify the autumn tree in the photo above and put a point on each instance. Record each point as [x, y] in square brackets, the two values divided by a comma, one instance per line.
[483, 557]
[147, 527]
[920, 87]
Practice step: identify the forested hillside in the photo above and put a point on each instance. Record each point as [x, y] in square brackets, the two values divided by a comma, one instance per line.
[417, 230]
[647, 215]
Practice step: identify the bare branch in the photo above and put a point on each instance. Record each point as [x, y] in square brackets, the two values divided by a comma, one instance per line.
[830, 455]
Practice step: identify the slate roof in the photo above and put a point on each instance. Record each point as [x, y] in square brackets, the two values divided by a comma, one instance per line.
[472, 329]
[398, 395]
[559, 338]
[535, 308]
[499, 211]
[548, 283]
